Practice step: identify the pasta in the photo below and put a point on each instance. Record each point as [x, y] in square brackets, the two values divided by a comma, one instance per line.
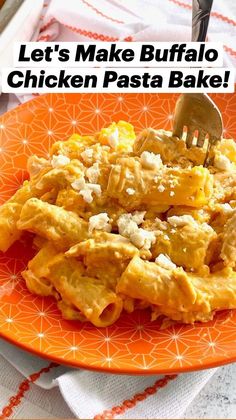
[106, 256]
[99, 304]
[122, 222]
[9, 215]
[192, 187]
[52, 222]
[36, 274]
[187, 244]
[170, 148]
[228, 252]
[181, 296]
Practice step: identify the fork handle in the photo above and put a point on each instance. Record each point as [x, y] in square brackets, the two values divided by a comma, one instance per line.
[200, 18]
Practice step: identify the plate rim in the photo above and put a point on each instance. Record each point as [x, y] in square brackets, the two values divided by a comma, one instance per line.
[122, 371]
[76, 363]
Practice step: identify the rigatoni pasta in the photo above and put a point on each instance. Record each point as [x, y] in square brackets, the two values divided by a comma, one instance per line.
[9, 216]
[176, 294]
[36, 275]
[154, 186]
[96, 302]
[186, 241]
[52, 222]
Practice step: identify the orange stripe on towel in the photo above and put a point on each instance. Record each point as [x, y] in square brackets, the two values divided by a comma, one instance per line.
[101, 13]
[230, 51]
[136, 399]
[24, 386]
[46, 25]
[44, 38]
[92, 35]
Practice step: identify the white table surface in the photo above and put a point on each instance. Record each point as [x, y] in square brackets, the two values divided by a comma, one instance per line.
[217, 400]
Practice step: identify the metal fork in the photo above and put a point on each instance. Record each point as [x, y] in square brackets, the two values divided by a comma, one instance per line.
[196, 111]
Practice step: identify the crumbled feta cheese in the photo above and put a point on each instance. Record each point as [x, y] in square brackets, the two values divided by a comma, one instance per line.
[207, 227]
[222, 162]
[86, 189]
[172, 193]
[99, 222]
[113, 138]
[96, 188]
[130, 191]
[87, 155]
[58, 161]
[165, 262]
[138, 217]
[166, 237]
[127, 223]
[36, 164]
[173, 183]
[150, 160]
[93, 173]
[143, 238]
[126, 226]
[128, 229]
[161, 188]
[129, 175]
[226, 208]
[180, 220]
[173, 231]
[162, 225]
[87, 195]
[79, 184]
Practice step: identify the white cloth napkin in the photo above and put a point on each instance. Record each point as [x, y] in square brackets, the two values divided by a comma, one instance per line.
[88, 394]
[139, 20]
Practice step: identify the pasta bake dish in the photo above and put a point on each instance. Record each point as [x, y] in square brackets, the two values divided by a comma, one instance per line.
[121, 222]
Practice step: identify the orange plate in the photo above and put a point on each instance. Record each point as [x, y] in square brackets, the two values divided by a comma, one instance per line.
[133, 345]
